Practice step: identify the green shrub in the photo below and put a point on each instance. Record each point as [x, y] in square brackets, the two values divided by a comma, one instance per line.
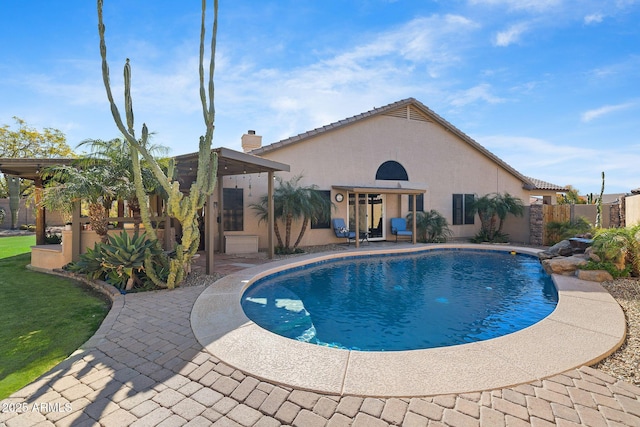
[561, 230]
[482, 236]
[2, 215]
[609, 267]
[619, 247]
[121, 261]
[431, 226]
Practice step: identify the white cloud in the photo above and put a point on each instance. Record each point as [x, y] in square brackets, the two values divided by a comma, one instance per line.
[594, 18]
[481, 92]
[510, 35]
[568, 164]
[527, 5]
[590, 115]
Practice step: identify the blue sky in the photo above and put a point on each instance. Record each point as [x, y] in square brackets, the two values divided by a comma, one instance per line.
[550, 86]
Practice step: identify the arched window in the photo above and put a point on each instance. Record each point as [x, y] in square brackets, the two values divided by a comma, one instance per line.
[392, 171]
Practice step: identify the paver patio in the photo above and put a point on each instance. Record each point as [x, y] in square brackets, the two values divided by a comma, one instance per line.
[144, 367]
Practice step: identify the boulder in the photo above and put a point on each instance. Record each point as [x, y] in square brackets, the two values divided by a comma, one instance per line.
[546, 255]
[562, 248]
[563, 265]
[594, 275]
[590, 254]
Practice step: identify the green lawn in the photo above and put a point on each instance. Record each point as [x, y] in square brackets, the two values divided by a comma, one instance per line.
[43, 318]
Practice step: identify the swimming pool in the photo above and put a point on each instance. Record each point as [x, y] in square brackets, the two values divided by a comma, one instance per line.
[387, 303]
[574, 334]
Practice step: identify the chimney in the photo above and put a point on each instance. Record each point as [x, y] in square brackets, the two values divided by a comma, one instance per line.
[251, 141]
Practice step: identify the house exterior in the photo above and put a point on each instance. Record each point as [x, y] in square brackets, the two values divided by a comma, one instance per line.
[386, 158]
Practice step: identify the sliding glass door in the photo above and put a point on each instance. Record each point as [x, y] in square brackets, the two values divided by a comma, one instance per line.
[371, 215]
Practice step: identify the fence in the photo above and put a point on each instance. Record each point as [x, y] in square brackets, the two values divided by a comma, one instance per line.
[27, 215]
[541, 215]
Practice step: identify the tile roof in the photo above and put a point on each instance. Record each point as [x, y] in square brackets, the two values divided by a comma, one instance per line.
[539, 184]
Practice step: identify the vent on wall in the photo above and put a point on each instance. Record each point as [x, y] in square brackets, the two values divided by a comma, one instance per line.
[410, 113]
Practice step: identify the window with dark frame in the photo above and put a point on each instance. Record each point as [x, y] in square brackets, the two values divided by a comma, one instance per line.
[462, 212]
[419, 203]
[233, 204]
[327, 222]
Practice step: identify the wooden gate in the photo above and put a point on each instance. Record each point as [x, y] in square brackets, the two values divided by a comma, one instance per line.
[556, 213]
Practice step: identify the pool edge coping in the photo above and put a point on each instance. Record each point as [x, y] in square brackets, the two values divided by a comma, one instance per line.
[574, 331]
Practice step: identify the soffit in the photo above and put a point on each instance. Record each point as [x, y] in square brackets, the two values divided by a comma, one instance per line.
[29, 168]
[378, 190]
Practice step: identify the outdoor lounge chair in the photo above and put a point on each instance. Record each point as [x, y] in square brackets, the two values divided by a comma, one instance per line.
[341, 230]
[399, 228]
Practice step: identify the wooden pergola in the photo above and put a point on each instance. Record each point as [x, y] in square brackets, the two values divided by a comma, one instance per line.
[30, 169]
[230, 162]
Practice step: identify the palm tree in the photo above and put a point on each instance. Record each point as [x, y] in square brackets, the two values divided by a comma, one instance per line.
[115, 154]
[432, 226]
[291, 203]
[493, 209]
[506, 204]
[620, 246]
[69, 185]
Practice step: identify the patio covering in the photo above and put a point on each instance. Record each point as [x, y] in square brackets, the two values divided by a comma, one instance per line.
[230, 162]
[357, 190]
[30, 169]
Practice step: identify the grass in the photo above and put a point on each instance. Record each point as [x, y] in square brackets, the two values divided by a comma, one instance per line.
[10, 246]
[44, 318]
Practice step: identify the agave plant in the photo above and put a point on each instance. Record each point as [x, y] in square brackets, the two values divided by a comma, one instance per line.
[123, 257]
[89, 263]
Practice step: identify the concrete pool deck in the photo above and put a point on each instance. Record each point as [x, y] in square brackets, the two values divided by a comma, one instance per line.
[586, 326]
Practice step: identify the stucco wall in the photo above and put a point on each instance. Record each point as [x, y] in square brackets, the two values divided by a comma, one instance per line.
[434, 158]
[632, 212]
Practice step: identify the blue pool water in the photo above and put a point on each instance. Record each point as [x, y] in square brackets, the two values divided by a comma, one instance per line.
[381, 303]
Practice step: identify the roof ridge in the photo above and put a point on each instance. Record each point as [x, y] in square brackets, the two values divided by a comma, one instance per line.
[389, 107]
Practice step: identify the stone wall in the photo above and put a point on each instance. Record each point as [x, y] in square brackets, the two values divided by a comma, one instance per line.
[536, 225]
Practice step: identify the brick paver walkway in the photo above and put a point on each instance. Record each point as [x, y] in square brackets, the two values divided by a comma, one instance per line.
[144, 367]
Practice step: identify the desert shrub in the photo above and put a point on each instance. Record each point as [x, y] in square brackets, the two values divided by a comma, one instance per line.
[495, 237]
[561, 230]
[609, 267]
[121, 262]
[619, 247]
[431, 226]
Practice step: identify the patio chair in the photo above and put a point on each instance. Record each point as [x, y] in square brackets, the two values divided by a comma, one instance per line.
[399, 228]
[341, 230]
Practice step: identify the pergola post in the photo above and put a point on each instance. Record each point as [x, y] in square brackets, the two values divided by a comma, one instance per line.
[220, 213]
[209, 239]
[357, 218]
[40, 212]
[413, 215]
[270, 216]
[76, 232]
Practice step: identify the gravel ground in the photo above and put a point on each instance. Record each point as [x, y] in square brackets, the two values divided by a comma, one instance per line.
[624, 364]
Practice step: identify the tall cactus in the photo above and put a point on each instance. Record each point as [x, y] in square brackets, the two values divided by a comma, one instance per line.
[599, 214]
[184, 208]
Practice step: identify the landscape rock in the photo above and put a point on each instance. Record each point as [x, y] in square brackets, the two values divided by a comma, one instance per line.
[594, 275]
[562, 248]
[563, 265]
[590, 254]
